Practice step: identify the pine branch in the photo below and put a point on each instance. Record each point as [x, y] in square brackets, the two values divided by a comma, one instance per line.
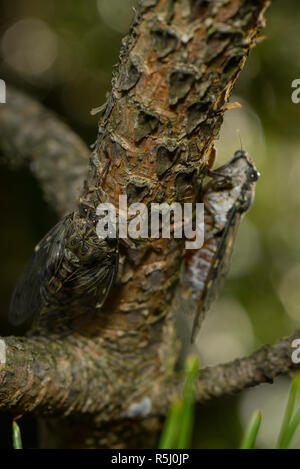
[31, 135]
[71, 377]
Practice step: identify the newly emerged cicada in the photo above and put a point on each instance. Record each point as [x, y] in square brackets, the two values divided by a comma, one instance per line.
[68, 277]
[227, 197]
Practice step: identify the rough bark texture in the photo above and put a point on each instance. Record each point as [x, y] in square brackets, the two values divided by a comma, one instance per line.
[60, 379]
[177, 69]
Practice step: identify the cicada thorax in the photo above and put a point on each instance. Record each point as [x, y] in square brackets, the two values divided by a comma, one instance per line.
[226, 197]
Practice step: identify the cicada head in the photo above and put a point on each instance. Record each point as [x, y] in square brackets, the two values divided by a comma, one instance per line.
[244, 177]
[235, 182]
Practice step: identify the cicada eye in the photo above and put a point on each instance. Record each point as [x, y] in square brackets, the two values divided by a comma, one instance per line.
[253, 176]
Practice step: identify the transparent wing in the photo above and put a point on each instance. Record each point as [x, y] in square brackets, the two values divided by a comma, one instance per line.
[218, 270]
[26, 301]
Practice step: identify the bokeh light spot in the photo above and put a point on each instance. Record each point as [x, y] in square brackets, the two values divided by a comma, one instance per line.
[29, 46]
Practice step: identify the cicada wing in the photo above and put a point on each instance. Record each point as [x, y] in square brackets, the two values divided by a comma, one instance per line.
[86, 291]
[27, 301]
[92, 285]
[219, 268]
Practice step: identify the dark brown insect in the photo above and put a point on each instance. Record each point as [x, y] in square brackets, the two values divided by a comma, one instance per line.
[68, 277]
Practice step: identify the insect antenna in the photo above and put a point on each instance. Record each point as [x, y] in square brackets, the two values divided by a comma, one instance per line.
[240, 139]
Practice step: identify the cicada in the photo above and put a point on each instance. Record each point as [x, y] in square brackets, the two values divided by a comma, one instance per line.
[227, 197]
[68, 277]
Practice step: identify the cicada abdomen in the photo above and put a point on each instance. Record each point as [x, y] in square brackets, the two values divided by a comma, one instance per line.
[226, 197]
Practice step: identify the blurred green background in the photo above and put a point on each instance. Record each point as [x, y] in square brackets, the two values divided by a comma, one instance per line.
[62, 52]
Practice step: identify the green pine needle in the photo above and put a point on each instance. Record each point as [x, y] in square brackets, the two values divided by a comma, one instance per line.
[16, 434]
[186, 428]
[250, 436]
[169, 437]
[178, 428]
[289, 425]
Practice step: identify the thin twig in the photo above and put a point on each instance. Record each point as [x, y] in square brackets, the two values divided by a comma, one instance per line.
[32, 135]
